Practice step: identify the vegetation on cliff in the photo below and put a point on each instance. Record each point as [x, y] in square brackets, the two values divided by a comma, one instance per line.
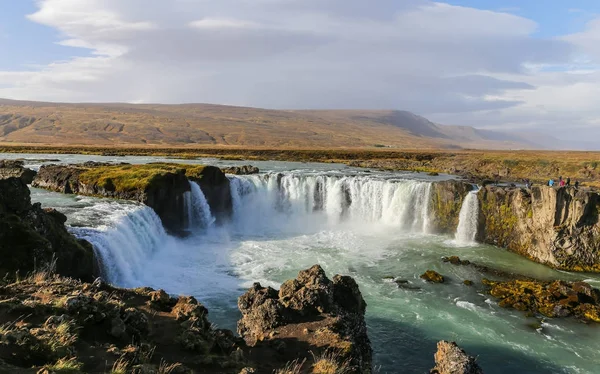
[128, 177]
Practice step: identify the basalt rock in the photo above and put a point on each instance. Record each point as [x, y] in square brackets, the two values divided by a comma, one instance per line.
[451, 359]
[327, 316]
[558, 227]
[446, 200]
[32, 238]
[162, 187]
[15, 168]
[241, 170]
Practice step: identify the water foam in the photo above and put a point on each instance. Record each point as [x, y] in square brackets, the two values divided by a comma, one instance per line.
[313, 201]
[468, 220]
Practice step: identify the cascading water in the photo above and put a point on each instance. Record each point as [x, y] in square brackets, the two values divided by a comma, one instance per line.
[468, 220]
[124, 244]
[199, 214]
[330, 199]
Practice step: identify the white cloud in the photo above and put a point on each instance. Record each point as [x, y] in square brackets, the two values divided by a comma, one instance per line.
[455, 64]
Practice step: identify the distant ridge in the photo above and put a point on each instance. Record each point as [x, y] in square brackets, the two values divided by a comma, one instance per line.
[30, 122]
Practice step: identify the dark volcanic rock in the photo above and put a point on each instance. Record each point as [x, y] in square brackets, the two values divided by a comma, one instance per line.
[241, 170]
[451, 359]
[31, 237]
[216, 188]
[311, 302]
[14, 168]
[164, 193]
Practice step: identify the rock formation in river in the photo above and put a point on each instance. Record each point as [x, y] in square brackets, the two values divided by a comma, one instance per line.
[15, 168]
[554, 226]
[160, 186]
[33, 238]
[327, 315]
[241, 170]
[451, 359]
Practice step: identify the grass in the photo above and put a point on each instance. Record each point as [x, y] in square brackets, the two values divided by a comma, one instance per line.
[126, 178]
[293, 367]
[330, 363]
[65, 366]
[538, 166]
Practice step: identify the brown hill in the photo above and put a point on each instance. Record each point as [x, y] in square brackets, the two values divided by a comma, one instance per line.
[218, 125]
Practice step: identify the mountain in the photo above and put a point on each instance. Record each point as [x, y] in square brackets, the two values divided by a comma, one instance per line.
[28, 122]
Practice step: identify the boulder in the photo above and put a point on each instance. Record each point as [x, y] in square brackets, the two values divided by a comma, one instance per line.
[451, 359]
[311, 302]
[432, 277]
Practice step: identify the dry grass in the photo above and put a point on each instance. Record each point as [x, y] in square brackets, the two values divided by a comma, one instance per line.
[293, 367]
[120, 366]
[65, 366]
[330, 363]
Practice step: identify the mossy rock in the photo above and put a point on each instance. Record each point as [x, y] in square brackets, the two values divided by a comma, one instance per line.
[432, 277]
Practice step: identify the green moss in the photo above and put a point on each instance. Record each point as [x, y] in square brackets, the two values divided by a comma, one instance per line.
[126, 178]
[500, 221]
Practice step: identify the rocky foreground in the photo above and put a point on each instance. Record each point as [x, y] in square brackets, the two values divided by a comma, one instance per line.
[55, 323]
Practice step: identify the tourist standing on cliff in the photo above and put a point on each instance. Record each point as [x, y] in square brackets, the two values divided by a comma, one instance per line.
[568, 182]
[551, 183]
[576, 184]
[562, 183]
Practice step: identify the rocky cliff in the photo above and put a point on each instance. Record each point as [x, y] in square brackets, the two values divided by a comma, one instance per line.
[160, 186]
[15, 168]
[554, 226]
[35, 238]
[446, 200]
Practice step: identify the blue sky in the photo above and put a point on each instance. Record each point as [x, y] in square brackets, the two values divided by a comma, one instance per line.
[528, 65]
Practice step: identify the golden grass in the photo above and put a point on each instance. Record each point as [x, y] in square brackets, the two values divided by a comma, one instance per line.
[538, 166]
[125, 178]
[65, 366]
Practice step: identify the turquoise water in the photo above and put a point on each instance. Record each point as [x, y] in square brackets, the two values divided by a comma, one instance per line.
[217, 264]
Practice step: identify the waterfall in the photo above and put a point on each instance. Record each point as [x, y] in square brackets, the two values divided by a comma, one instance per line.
[199, 214]
[306, 199]
[125, 243]
[468, 219]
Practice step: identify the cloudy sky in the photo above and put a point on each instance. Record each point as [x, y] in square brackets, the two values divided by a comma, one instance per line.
[502, 64]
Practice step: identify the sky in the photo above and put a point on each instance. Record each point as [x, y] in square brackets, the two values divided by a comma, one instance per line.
[530, 66]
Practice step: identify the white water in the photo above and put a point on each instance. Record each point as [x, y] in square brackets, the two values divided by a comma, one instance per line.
[364, 226]
[468, 220]
[312, 201]
[199, 213]
[124, 243]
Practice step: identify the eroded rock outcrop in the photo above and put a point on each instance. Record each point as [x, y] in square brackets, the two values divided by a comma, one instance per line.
[241, 170]
[309, 311]
[451, 359]
[15, 168]
[554, 226]
[160, 186]
[446, 200]
[32, 238]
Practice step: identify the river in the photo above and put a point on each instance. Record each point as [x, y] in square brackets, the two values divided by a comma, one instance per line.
[366, 224]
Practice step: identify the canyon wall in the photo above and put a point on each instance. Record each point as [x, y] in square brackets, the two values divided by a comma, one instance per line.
[555, 226]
